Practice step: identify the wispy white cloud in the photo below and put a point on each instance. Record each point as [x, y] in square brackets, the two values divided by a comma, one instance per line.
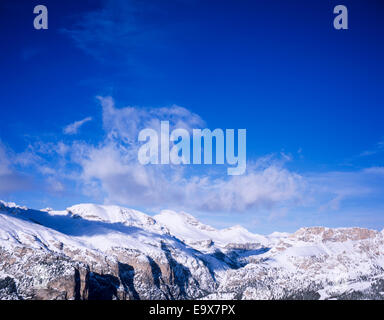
[330, 190]
[74, 127]
[4, 161]
[119, 30]
[377, 149]
[108, 170]
[10, 179]
[111, 168]
[379, 171]
[127, 182]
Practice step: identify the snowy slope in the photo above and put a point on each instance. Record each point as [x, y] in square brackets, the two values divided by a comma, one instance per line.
[110, 242]
[184, 226]
[114, 252]
[88, 226]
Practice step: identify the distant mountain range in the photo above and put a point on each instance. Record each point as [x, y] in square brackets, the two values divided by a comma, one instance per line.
[109, 252]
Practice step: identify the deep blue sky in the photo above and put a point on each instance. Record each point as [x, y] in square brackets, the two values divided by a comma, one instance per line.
[277, 68]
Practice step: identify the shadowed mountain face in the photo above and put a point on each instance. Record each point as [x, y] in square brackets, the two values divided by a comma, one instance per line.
[109, 252]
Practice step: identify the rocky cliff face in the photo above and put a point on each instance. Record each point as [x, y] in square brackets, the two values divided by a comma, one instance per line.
[109, 252]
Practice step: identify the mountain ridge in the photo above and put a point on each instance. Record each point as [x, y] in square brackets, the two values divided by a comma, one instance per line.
[93, 251]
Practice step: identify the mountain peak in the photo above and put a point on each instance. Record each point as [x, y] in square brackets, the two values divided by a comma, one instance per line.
[11, 207]
[113, 241]
[180, 219]
[191, 230]
[105, 213]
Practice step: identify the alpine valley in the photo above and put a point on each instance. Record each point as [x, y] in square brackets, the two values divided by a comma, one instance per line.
[108, 252]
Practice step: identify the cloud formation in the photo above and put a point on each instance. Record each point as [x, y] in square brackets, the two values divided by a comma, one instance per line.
[108, 171]
[74, 127]
[378, 149]
[114, 165]
[10, 179]
[119, 30]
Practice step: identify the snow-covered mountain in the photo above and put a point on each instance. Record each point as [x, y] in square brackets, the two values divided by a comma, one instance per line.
[186, 227]
[108, 252]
